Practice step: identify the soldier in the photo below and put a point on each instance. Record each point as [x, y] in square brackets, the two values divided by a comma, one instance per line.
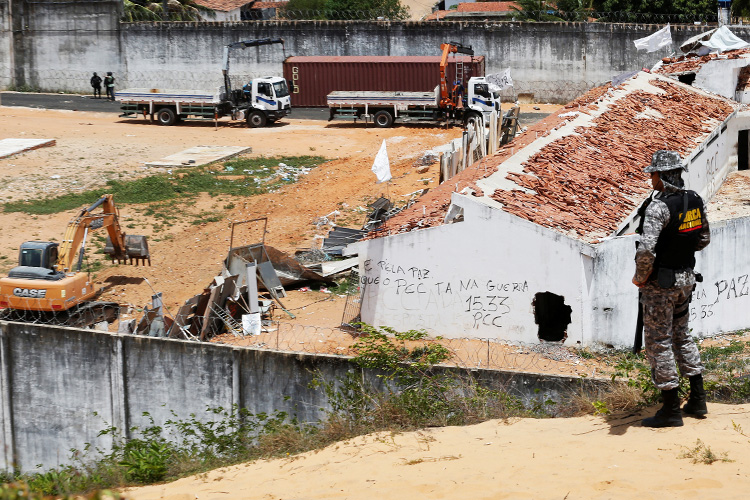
[96, 84]
[673, 227]
[109, 84]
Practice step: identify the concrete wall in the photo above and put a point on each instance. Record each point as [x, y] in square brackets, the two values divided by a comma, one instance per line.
[5, 45]
[52, 47]
[59, 387]
[58, 45]
[452, 283]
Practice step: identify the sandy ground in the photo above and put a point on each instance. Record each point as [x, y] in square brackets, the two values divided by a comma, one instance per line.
[573, 459]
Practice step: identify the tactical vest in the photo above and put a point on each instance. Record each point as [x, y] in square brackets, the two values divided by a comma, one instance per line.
[676, 246]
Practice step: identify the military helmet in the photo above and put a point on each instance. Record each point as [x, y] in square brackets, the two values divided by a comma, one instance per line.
[664, 160]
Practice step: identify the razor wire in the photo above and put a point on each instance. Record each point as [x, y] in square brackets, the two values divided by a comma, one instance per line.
[133, 13]
[469, 353]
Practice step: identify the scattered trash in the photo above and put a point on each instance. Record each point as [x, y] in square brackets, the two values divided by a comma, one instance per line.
[304, 289]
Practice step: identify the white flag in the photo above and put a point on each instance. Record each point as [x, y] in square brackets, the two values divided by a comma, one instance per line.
[381, 168]
[652, 43]
[502, 80]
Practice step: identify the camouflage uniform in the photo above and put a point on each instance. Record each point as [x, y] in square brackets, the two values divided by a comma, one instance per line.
[666, 310]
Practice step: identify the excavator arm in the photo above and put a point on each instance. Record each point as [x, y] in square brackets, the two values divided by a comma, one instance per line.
[119, 246]
[446, 100]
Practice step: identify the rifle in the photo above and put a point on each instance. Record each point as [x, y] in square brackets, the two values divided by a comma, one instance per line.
[638, 342]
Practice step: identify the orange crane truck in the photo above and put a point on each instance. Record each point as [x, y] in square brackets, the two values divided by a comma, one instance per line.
[48, 285]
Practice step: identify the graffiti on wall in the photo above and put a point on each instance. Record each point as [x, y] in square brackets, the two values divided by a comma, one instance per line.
[708, 298]
[475, 302]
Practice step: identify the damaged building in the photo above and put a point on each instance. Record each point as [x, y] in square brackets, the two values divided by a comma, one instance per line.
[536, 243]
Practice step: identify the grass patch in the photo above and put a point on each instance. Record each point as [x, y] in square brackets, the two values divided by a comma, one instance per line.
[250, 176]
[702, 454]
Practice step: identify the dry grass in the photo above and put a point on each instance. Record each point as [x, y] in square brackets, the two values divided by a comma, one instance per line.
[614, 397]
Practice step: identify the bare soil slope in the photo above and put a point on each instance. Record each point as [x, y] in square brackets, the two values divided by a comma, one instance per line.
[93, 148]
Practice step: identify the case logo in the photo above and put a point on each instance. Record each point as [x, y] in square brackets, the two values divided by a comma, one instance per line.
[33, 293]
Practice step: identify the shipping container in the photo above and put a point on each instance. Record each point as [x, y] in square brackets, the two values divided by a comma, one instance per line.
[312, 78]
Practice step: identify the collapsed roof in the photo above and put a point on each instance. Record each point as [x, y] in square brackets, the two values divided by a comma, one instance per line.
[580, 171]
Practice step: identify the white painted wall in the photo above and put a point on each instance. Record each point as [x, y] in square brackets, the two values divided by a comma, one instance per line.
[451, 282]
[720, 76]
[710, 163]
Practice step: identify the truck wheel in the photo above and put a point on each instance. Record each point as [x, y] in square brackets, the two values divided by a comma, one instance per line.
[473, 118]
[165, 116]
[256, 119]
[383, 119]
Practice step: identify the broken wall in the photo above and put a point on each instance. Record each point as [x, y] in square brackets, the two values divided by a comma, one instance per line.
[478, 278]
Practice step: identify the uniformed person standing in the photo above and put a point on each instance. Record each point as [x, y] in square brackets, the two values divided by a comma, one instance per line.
[673, 227]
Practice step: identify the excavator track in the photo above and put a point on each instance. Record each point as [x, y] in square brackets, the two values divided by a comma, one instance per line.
[85, 315]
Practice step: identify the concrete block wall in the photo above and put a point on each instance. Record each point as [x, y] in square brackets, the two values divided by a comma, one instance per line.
[56, 46]
[5, 44]
[50, 45]
[59, 387]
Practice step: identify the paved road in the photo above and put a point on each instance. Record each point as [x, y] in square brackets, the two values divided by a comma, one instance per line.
[77, 102]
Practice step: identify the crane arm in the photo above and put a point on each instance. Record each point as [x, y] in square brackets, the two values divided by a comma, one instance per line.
[449, 48]
[243, 44]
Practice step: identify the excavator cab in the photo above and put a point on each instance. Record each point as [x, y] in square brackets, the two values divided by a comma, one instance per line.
[48, 284]
[37, 260]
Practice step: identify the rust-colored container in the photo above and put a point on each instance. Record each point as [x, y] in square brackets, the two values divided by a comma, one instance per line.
[312, 78]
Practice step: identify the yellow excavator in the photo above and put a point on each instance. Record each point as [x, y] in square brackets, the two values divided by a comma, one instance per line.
[48, 285]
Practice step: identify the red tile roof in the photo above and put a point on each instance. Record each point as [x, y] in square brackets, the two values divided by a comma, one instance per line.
[692, 63]
[487, 7]
[223, 5]
[587, 181]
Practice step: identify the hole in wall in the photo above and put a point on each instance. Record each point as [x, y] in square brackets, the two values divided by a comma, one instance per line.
[552, 315]
[743, 146]
[687, 78]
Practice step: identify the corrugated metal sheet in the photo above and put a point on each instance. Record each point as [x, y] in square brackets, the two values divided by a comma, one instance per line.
[312, 78]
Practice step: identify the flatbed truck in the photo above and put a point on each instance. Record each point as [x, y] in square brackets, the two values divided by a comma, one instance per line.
[261, 101]
[385, 108]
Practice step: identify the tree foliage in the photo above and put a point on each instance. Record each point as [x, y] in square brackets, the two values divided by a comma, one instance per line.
[179, 10]
[697, 8]
[741, 8]
[536, 10]
[349, 9]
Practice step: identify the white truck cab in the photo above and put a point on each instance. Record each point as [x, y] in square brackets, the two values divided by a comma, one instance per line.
[482, 98]
[269, 100]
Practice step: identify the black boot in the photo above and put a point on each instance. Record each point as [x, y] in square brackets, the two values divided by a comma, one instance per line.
[696, 404]
[669, 415]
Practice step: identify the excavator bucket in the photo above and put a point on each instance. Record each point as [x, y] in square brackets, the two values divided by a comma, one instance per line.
[136, 250]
